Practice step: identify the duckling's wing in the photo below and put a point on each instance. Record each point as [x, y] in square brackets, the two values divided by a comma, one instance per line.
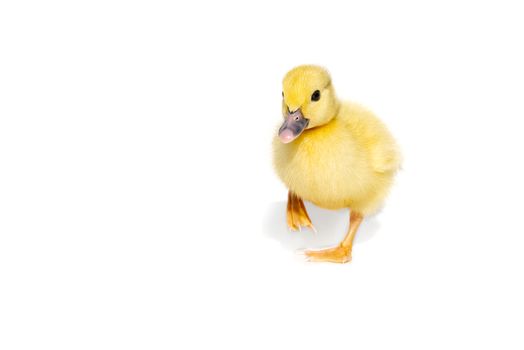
[373, 135]
[385, 156]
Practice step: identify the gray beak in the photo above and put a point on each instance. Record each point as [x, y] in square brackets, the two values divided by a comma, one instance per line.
[293, 126]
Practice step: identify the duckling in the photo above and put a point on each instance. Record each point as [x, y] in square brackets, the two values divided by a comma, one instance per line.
[331, 153]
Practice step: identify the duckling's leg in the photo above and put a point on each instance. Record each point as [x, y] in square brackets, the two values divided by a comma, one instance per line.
[342, 252]
[296, 213]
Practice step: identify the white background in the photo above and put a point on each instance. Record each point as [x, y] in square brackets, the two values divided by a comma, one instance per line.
[139, 208]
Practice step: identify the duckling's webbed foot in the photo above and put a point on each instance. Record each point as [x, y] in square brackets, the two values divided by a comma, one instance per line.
[297, 216]
[338, 254]
[342, 252]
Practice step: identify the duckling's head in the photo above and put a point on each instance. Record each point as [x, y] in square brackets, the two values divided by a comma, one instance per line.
[308, 101]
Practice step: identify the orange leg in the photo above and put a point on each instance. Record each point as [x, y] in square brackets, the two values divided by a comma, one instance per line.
[296, 213]
[342, 252]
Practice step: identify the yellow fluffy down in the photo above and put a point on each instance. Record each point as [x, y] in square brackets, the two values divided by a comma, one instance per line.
[348, 162]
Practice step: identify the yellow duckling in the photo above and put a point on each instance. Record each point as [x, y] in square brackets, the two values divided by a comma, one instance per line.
[334, 154]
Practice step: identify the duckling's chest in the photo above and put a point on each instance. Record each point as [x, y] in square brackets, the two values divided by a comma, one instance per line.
[327, 171]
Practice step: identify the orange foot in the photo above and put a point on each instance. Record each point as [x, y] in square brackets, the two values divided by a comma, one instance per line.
[296, 213]
[338, 254]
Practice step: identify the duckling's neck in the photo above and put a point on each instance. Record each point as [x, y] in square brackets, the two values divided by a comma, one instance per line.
[328, 125]
[318, 133]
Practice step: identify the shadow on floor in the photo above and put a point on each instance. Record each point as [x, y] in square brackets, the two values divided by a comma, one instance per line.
[331, 227]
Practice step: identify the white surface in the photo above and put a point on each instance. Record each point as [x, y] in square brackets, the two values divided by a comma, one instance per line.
[139, 209]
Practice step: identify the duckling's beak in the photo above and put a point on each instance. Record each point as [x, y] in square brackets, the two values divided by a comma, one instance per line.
[293, 126]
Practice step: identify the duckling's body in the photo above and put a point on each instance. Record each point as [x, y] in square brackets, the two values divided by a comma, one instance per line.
[348, 163]
[333, 154]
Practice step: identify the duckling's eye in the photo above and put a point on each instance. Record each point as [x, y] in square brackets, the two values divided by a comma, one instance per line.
[282, 94]
[315, 96]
